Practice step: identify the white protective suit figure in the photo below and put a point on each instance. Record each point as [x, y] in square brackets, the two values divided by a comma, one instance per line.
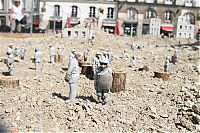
[104, 78]
[38, 60]
[10, 62]
[72, 54]
[166, 64]
[132, 61]
[10, 49]
[17, 52]
[73, 75]
[175, 57]
[95, 67]
[23, 51]
[85, 54]
[52, 55]
[110, 56]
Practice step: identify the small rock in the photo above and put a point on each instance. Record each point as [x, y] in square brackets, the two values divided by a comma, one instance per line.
[8, 110]
[164, 115]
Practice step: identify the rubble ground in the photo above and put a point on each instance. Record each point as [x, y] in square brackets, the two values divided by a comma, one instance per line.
[149, 104]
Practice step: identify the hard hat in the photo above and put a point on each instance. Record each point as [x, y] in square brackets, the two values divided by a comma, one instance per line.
[17, 47]
[17, 0]
[73, 50]
[10, 45]
[104, 60]
[36, 49]
[9, 51]
[98, 53]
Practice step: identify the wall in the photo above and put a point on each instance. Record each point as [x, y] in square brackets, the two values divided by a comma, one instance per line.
[83, 11]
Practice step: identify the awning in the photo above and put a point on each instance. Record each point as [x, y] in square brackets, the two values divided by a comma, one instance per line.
[168, 27]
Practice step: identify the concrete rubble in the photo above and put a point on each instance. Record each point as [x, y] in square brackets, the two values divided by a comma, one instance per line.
[149, 104]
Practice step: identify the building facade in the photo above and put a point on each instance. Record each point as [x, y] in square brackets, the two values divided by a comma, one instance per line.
[135, 15]
[78, 12]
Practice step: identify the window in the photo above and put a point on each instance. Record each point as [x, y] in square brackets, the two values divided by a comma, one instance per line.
[132, 13]
[188, 1]
[92, 13]
[150, 13]
[110, 13]
[168, 16]
[74, 12]
[56, 10]
[190, 18]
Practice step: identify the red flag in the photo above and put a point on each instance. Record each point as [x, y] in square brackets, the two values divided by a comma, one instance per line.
[69, 23]
[117, 28]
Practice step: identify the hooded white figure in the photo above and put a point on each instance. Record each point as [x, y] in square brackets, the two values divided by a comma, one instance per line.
[86, 54]
[52, 54]
[17, 52]
[166, 64]
[96, 66]
[38, 60]
[10, 49]
[104, 78]
[110, 55]
[132, 61]
[175, 57]
[73, 75]
[72, 54]
[23, 51]
[10, 63]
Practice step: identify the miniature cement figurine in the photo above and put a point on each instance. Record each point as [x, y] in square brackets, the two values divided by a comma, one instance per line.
[23, 51]
[104, 81]
[85, 54]
[105, 54]
[52, 55]
[37, 59]
[110, 56]
[72, 54]
[92, 42]
[17, 52]
[95, 67]
[124, 54]
[166, 64]
[73, 75]
[132, 61]
[10, 62]
[175, 57]
[10, 49]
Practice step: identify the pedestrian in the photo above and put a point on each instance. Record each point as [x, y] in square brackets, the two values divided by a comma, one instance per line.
[73, 75]
[16, 16]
